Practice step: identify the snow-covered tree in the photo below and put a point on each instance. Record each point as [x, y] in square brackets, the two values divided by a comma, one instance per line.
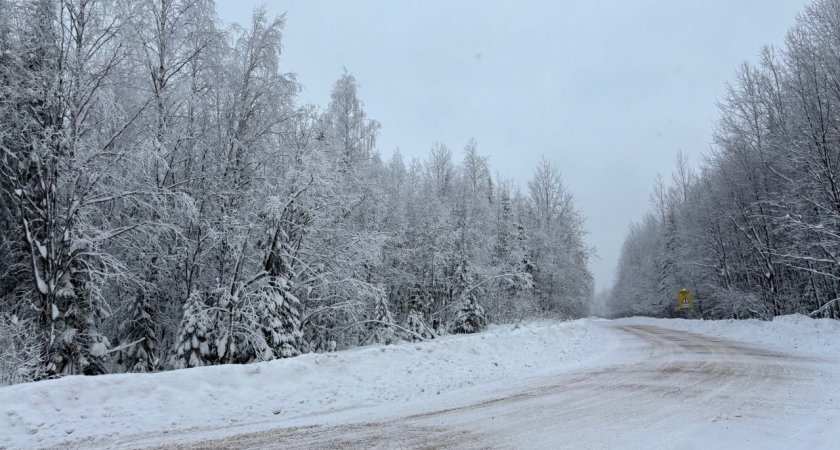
[753, 233]
[280, 320]
[20, 350]
[162, 189]
[140, 333]
[470, 317]
[381, 328]
[195, 345]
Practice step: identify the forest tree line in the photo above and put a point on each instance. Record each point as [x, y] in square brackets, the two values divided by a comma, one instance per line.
[755, 231]
[167, 202]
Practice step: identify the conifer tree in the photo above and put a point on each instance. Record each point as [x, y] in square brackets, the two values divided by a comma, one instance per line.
[280, 321]
[415, 323]
[381, 330]
[141, 357]
[470, 316]
[195, 346]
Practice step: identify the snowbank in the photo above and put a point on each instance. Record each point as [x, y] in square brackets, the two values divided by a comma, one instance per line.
[794, 333]
[76, 408]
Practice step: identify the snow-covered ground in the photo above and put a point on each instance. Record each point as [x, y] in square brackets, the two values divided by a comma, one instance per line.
[794, 333]
[590, 383]
[88, 409]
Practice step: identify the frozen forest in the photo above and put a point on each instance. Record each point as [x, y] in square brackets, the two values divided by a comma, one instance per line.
[166, 201]
[753, 232]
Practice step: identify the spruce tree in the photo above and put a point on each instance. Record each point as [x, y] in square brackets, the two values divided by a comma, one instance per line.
[381, 330]
[141, 327]
[280, 321]
[195, 344]
[417, 304]
[470, 316]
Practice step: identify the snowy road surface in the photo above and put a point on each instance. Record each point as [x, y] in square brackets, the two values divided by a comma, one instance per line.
[667, 389]
[589, 384]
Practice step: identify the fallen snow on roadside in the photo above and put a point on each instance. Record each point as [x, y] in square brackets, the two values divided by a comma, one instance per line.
[74, 408]
[794, 333]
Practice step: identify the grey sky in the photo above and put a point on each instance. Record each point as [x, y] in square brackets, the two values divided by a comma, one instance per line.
[609, 90]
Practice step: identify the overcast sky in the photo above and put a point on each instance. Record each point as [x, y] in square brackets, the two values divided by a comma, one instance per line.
[609, 90]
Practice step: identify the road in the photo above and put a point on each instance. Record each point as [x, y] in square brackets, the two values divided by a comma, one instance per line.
[667, 389]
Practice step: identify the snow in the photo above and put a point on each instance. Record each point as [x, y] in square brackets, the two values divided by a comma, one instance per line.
[42, 286]
[98, 349]
[614, 377]
[793, 333]
[79, 408]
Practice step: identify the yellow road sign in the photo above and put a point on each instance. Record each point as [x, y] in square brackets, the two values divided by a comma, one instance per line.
[684, 297]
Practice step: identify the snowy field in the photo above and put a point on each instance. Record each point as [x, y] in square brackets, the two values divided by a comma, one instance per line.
[577, 376]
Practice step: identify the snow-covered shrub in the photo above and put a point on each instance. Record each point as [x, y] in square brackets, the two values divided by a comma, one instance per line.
[20, 353]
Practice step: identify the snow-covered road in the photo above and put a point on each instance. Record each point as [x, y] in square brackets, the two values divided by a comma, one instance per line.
[666, 389]
[626, 384]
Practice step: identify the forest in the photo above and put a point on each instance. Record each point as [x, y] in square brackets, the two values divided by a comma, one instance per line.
[167, 202]
[754, 230]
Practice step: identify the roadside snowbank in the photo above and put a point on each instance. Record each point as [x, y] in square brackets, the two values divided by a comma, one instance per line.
[52, 413]
[794, 333]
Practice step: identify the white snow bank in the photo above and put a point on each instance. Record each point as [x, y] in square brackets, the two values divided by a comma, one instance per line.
[76, 408]
[794, 333]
